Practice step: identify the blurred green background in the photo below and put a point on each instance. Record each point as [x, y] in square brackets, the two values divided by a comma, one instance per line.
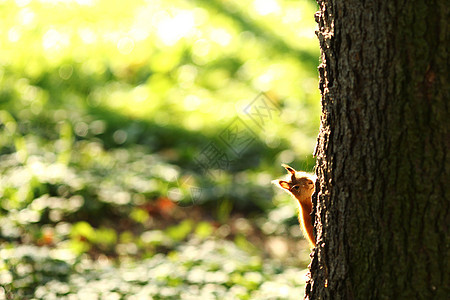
[138, 140]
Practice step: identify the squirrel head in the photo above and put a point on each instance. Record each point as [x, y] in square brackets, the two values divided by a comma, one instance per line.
[298, 184]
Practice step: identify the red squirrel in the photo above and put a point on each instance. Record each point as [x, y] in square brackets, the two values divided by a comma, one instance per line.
[300, 185]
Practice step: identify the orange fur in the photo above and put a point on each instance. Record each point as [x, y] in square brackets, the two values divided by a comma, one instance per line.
[300, 185]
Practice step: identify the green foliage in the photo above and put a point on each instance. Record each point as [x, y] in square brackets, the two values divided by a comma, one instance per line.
[203, 230]
[179, 232]
[211, 269]
[105, 111]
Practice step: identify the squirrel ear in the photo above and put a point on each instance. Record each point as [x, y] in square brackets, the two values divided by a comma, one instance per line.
[288, 168]
[283, 184]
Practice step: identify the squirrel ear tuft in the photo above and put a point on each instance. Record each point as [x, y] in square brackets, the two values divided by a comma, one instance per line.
[288, 168]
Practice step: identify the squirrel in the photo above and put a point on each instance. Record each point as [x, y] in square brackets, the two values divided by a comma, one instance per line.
[301, 186]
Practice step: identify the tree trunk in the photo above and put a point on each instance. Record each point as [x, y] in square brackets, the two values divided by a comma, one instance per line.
[381, 211]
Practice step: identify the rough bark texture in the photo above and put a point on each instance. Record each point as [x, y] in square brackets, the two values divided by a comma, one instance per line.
[381, 211]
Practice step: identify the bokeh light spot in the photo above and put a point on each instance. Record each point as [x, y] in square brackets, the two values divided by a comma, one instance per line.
[125, 45]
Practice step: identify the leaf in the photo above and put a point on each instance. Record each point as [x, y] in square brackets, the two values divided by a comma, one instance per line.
[179, 232]
[83, 229]
[204, 230]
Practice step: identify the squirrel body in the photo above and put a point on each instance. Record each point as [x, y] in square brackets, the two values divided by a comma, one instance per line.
[301, 186]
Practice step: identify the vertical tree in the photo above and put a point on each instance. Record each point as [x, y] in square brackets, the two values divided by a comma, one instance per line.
[382, 204]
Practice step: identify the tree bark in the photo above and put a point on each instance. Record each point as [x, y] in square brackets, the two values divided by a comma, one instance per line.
[381, 208]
